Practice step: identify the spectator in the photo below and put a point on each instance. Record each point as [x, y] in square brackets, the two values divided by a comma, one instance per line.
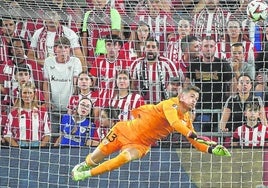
[238, 64]
[23, 75]
[190, 47]
[108, 118]
[124, 99]
[234, 107]
[99, 22]
[151, 73]
[70, 13]
[19, 50]
[252, 132]
[260, 87]
[174, 86]
[60, 75]
[213, 76]
[135, 47]
[117, 4]
[43, 40]
[159, 20]
[85, 90]
[105, 68]
[235, 35]
[25, 25]
[211, 21]
[76, 128]
[28, 124]
[262, 59]
[7, 31]
[173, 51]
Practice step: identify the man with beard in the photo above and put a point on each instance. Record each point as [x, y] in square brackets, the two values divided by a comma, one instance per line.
[213, 77]
[151, 73]
[7, 31]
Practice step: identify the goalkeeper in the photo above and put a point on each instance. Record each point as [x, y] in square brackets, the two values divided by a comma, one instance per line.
[134, 138]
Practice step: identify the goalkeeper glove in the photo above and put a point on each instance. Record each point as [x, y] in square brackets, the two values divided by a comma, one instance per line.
[205, 140]
[220, 150]
[81, 167]
[77, 176]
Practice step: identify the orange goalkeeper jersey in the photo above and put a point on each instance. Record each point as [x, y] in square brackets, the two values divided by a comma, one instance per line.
[153, 122]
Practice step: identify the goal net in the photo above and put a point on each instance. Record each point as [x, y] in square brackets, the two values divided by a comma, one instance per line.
[191, 41]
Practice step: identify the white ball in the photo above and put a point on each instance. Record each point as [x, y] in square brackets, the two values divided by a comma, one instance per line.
[257, 10]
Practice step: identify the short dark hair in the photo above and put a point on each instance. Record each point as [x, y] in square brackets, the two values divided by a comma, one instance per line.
[14, 39]
[238, 44]
[209, 38]
[22, 68]
[185, 42]
[114, 39]
[62, 41]
[245, 74]
[112, 113]
[152, 39]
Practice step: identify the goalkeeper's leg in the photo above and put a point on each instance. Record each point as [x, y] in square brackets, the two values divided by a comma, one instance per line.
[121, 159]
[116, 162]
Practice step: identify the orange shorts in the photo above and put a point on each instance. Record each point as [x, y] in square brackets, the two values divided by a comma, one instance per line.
[116, 141]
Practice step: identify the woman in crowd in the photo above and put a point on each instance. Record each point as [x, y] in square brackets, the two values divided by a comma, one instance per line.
[135, 47]
[27, 124]
[124, 99]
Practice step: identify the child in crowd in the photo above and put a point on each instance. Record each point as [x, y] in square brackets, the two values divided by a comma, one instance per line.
[23, 75]
[74, 128]
[85, 90]
[253, 132]
[108, 118]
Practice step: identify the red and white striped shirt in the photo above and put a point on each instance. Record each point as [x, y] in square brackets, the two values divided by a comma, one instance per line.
[224, 50]
[251, 136]
[27, 125]
[151, 79]
[126, 104]
[211, 24]
[106, 72]
[173, 51]
[4, 56]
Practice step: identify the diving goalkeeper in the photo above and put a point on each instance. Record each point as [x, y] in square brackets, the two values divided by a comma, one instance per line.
[135, 137]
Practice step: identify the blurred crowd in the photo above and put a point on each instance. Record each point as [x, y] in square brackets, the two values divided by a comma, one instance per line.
[69, 70]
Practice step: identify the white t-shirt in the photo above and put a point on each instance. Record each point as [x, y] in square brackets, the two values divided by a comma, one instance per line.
[70, 34]
[60, 77]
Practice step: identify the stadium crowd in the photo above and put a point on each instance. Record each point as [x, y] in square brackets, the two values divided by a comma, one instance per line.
[70, 69]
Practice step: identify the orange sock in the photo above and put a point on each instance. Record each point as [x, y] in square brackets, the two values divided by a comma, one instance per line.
[111, 164]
